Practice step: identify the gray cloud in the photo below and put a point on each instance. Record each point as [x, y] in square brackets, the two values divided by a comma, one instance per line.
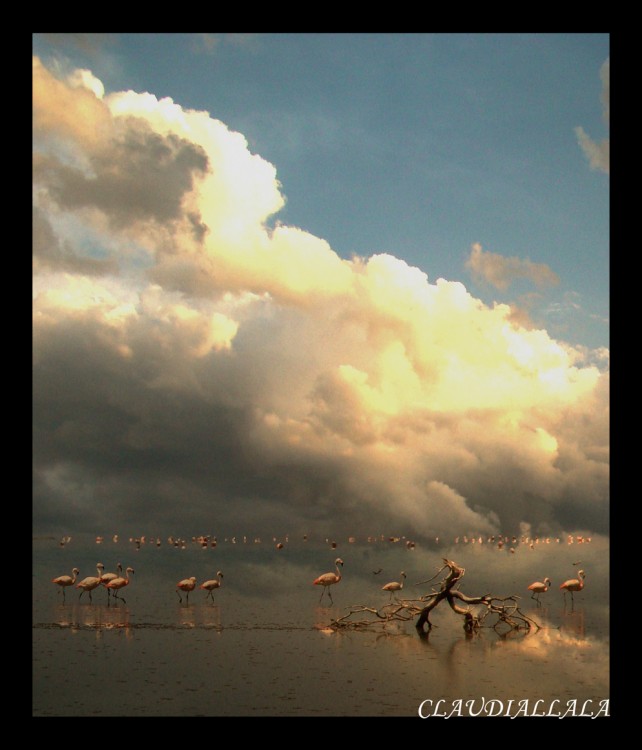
[139, 175]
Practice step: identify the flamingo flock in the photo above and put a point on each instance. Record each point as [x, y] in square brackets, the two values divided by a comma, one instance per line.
[115, 582]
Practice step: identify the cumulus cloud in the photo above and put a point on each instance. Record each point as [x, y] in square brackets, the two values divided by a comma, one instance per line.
[501, 271]
[598, 153]
[197, 362]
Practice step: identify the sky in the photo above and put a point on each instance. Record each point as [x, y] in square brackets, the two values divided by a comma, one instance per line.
[320, 283]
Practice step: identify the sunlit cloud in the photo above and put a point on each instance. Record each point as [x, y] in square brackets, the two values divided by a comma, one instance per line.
[598, 153]
[194, 356]
[501, 271]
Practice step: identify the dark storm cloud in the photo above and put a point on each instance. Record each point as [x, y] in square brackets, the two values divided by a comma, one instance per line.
[141, 175]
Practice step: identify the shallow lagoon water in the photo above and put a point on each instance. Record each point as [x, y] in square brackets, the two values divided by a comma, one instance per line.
[264, 648]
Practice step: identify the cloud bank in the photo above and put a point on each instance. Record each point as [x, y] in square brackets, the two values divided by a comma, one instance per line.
[201, 367]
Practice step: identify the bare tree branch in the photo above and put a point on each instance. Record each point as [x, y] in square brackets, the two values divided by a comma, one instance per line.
[505, 610]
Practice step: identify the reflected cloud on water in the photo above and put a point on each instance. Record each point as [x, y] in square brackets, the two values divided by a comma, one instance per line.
[266, 645]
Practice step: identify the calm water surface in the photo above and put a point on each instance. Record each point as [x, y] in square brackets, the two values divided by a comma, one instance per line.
[263, 647]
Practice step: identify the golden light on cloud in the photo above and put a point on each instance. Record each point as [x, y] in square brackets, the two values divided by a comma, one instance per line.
[357, 379]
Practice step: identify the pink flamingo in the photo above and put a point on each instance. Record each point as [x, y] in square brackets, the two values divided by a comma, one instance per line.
[215, 583]
[119, 583]
[90, 583]
[186, 585]
[105, 578]
[394, 585]
[539, 588]
[573, 584]
[327, 579]
[64, 581]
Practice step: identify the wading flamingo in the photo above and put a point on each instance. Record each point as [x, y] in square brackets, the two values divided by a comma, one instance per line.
[186, 585]
[327, 579]
[394, 585]
[215, 583]
[105, 578]
[64, 581]
[539, 587]
[90, 583]
[573, 584]
[119, 583]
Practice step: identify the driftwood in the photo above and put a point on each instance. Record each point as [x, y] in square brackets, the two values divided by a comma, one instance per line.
[502, 611]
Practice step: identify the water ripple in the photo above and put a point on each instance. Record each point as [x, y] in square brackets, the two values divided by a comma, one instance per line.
[159, 626]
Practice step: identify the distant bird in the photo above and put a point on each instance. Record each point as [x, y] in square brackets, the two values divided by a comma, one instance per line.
[376, 572]
[215, 583]
[539, 588]
[119, 583]
[64, 581]
[573, 584]
[187, 585]
[327, 579]
[105, 578]
[91, 583]
[394, 585]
